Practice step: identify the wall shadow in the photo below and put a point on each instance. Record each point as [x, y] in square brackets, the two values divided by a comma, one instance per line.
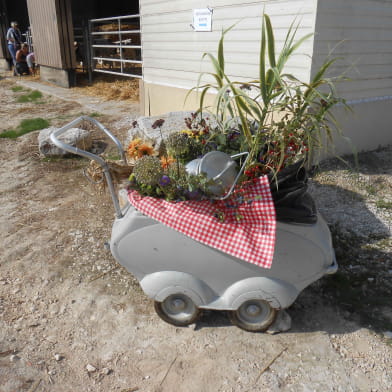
[354, 198]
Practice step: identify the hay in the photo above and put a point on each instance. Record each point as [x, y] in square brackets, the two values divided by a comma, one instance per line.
[121, 90]
[114, 27]
[118, 170]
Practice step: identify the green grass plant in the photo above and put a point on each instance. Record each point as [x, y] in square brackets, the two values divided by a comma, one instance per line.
[32, 96]
[25, 126]
[16, 89]
[384, 204]
[371, 190]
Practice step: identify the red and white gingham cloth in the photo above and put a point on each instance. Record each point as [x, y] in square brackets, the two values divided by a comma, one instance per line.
[246, 230]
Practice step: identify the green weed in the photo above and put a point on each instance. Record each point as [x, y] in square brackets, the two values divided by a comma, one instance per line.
[10, 134]
[16, 89]
[113, 157]
[25, 126]
[61, 159]
[384, 204]
[29, 97]
[371, 190]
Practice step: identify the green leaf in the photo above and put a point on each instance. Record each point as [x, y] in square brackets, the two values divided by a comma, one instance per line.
[262, 65]
[323, 69]
[271, 41]
[221, 139]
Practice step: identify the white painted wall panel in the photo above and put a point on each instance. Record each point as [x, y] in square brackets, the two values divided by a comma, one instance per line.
[362, 31]
[161, 7]
[171, 47]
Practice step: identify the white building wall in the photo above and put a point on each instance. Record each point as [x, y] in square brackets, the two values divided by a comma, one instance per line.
[172, 50]
[360, 32]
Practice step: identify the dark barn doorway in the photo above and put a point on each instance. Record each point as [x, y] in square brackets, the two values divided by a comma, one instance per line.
[17, 11]
[82, 11]
[12, 10]
[87, 36]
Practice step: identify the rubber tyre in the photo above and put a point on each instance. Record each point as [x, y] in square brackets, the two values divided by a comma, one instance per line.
[254, 315]
[177, 309]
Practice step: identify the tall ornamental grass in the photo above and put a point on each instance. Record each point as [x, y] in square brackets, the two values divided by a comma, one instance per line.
[280, 118]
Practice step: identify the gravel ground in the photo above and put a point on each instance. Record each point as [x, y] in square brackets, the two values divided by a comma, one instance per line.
[356, 199]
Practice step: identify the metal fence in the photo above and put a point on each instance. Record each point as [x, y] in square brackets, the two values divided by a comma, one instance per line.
[115, 45]
[28, 38]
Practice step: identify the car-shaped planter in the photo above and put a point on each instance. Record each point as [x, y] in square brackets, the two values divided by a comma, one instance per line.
[184, 276]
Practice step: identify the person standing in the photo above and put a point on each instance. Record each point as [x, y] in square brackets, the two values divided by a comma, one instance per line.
[14, 41]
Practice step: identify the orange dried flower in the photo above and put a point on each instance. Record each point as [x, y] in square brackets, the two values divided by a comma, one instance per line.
[145, 149]
[167, 161]
[137, 149]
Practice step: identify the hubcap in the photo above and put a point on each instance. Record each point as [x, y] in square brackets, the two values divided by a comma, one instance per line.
[253, 310]
[253, 315]
[179, 307]
[178, 304]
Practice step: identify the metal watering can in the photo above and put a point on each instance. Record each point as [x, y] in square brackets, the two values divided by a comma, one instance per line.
[221, 169]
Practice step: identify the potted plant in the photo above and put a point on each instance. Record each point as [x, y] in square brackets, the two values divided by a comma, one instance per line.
[278, 119]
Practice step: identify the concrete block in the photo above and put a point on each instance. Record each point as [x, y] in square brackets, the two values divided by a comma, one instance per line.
[61, 77]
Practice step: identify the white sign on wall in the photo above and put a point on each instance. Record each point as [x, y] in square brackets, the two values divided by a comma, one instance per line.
[202, 19]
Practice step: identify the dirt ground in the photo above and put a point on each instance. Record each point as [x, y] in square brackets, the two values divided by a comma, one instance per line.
[72, 320]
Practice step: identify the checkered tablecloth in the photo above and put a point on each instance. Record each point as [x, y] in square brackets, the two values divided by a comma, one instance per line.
[243, 226]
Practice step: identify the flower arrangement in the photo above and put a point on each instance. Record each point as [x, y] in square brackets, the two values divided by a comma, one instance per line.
[278, 119]
[160, 168]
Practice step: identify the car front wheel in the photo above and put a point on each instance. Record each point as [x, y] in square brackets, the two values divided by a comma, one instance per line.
[177, 309]
[254, 315]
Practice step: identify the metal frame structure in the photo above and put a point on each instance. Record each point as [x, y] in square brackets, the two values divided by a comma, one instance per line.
[54, 137]
[29, 39]
[119, 43]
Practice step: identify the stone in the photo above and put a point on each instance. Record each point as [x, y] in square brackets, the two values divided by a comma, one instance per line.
[388, 334]
[14, 358]
[58, 357]
[75, 137]
[282, 323]
[174, 121]
[106, 371]
[90, 368]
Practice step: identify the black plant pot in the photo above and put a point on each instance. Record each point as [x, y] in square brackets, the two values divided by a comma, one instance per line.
[292, 201]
